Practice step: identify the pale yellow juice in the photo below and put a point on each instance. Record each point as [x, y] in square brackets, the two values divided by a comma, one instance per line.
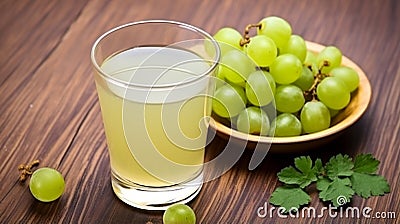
[155, 137]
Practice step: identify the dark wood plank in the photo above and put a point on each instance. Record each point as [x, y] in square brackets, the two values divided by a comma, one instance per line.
[49, 107]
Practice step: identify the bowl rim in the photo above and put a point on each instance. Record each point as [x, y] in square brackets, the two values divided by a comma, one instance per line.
[364, 91]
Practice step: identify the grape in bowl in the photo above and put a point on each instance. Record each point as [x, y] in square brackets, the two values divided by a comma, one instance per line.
[360, 98]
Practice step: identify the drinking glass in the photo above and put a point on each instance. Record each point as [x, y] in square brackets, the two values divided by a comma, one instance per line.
[154, 82]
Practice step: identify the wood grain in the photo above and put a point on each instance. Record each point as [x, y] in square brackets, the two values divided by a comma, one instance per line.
[49, 108]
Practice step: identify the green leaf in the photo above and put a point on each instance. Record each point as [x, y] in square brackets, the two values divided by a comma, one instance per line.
[366, 185]
[290, 175]
[289, 197]
[304, 164]
[338, 191]
[337, 182]
[339, 166]
[318, 167]
[323, 184]
[365, 163]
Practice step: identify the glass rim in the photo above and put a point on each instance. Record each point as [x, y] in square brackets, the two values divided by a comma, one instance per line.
[186, 26]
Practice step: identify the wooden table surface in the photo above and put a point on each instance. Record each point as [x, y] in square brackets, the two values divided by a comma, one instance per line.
[49, 109]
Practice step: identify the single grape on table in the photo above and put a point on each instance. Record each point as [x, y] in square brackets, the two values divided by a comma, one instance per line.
[275, 69]
[46, 184]
[179, 214]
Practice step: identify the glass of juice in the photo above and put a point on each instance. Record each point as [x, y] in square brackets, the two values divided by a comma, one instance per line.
[154, 80]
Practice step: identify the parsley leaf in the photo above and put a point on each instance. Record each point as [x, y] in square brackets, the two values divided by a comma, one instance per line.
[290, 175]
[339, 166]
[365, 163]
[318, 167]
[336, 182]
[338, 192]
[323, 184]
[366, 185]
[303, 163]
[289, 197]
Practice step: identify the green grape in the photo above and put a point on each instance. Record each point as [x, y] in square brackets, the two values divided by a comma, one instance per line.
[296, 46]
[311, 62]
[240, 90]
[277, 29]
[179, 214]
[229, 101]
[333, 112]
[348, 75]
[333, 93]
[260, 88]
[285, 125]
[220, 79]
[272, 83]
[253, 120]
[306, 79]
[315, 117]
[46, 184]
[228, 38]
[262, 50]
[330, 54]
[286, 69]
[289, 98]
[236, 67]
[270, 109]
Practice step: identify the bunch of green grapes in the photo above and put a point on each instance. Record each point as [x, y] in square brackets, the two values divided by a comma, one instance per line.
[275, 68]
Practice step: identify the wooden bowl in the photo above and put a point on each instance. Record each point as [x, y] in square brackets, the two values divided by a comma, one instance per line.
[359, 102]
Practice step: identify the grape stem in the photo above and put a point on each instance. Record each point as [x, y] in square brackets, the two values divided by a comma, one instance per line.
[311, 93]
[324, 64]
[246, 36]
[26, 170]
